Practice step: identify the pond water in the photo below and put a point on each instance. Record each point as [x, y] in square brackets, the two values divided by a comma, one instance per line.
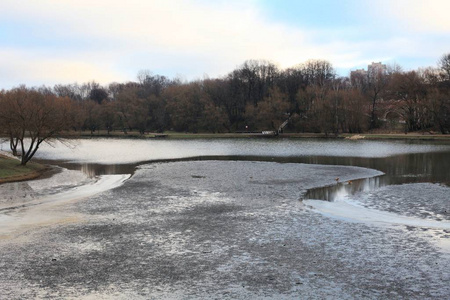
[401, 161]
[235, 218]
[122, 151]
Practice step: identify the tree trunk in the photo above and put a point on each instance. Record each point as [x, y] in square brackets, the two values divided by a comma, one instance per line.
[26, 156]
[13, 142]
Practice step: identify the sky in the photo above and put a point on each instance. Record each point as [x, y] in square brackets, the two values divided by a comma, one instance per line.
[50, 42]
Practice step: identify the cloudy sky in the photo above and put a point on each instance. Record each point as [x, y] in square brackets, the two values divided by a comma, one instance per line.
[67, 41]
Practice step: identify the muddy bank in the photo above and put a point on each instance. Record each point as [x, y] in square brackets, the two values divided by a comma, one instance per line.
[220, 229]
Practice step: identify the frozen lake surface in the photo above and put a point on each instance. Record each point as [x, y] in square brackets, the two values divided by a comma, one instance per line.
[238, 219]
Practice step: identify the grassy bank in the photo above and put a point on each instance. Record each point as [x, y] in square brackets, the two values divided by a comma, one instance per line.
[399, 136]
[11, 170]
[150, 135]
[182, 135]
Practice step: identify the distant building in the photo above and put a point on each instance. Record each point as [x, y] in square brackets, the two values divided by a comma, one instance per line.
[358, 73]
[376, 68]
[360, 76]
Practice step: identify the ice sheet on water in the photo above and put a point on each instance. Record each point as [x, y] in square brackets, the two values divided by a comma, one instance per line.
[224, 229]
[16, 193]
[62, 186]
[352, 212]
[100, 184]
[11, 218]
[422, 200]
[423, 221]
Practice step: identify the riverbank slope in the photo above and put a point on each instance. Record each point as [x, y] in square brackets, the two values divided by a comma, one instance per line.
[206, 135]
[11, 170]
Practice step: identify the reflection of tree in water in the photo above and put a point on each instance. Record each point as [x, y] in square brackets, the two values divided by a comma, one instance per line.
[93, 170]
[398, 169]
[16, 192]
[344, 189]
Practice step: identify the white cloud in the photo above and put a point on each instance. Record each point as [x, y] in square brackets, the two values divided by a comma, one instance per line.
[229, 32]
[23, 67]
[415, 32]
[192, 36]
[416, 15]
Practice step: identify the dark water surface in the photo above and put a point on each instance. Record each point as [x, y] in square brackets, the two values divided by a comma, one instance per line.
[221, 219]
[401, 161]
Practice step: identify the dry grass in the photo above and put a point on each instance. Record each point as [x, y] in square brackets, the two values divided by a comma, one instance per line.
[205, 135]
[11, 170]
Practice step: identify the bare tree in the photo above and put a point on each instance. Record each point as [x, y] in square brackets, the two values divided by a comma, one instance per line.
[444, 65]
[98, 95]
[270, 113]
[409, 91]
[35, 118]
[253, 80]
[6, 127]
[318, 72]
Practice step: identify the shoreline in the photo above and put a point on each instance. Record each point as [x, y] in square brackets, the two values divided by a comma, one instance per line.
[30, 172]
[245, 135]
[35, 170]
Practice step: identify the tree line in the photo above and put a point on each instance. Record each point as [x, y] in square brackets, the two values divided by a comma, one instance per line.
[256, 96]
